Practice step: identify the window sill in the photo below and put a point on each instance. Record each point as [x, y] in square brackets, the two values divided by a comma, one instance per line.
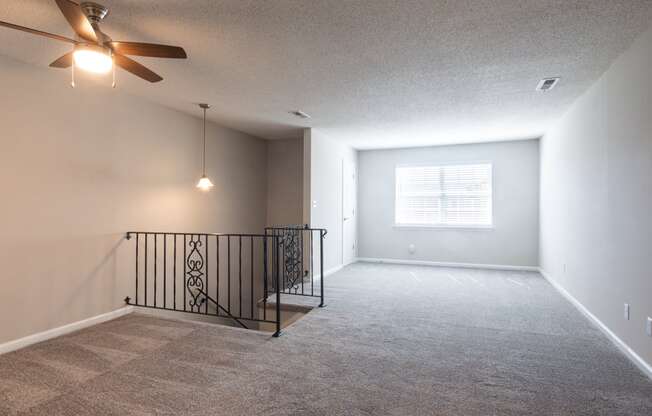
[445, 227]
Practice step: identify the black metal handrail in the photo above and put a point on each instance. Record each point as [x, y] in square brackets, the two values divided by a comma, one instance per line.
[220, 307]
[130, 233]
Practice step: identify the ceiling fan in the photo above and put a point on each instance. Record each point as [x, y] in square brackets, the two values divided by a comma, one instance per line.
[94, 50]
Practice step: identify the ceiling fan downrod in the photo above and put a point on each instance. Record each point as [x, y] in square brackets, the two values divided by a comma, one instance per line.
[94, 12]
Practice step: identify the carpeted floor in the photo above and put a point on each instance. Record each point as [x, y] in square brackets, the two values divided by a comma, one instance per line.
[393, 340]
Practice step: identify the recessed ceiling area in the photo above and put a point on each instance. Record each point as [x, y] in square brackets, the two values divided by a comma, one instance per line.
[373, 74]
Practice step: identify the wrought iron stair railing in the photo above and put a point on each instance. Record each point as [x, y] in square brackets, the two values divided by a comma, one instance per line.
[237, 277]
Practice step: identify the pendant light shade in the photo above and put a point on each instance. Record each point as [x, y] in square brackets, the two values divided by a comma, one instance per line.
[204, 183]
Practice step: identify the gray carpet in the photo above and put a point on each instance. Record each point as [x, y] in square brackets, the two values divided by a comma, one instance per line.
[393, 340]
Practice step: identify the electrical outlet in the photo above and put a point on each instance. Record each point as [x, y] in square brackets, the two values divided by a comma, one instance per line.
[627, 311]
[648, 326]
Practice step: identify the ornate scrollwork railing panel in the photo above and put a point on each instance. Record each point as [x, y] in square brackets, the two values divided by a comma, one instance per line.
[195, 273]
[292, 258]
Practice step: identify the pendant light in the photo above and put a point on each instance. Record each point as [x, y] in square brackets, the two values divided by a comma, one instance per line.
[204, 183]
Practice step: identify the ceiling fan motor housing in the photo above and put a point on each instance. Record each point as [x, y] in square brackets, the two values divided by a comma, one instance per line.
[94, 12]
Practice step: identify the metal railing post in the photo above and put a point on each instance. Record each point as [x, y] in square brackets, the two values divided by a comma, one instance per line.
[321, 268]
[137, 255]
[278, 291]
[265, 290]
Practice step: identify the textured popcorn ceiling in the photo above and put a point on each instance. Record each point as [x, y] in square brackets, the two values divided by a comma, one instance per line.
[376, 73]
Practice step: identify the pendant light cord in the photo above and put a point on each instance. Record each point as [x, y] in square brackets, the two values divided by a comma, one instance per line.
[204, 161]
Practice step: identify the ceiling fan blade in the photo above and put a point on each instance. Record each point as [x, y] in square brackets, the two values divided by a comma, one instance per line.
[77, 19]
[63, 62]
[136, 68]
[37, 32]
[148, 49]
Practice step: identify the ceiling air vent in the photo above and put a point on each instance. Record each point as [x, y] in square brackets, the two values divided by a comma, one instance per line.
[547, 84]
[299, 114]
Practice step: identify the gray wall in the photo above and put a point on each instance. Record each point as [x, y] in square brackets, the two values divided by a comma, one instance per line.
[326, 158]
[514, 239]
[285, 182]
[78, 168]
[596, 198]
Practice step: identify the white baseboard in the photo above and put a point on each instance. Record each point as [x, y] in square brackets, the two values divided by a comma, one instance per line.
[630, 353]
[330, 271]
[334, 270]
[449, 264]
[62, 330]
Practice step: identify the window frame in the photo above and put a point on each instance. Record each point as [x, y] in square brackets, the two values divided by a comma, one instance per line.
[476, 227]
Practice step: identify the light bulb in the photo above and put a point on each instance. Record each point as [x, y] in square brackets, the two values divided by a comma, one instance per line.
[93, 59]
[204, 183]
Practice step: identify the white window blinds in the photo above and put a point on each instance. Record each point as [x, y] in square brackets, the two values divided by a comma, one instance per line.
[446, 195]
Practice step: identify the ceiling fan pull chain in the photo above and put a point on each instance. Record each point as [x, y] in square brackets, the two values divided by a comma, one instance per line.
[72, 79]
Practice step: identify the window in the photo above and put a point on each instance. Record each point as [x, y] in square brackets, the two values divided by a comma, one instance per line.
[446, 195]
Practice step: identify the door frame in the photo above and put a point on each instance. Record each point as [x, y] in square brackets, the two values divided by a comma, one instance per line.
[346, 244]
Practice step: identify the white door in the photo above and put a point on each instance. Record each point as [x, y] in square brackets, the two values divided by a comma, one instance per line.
[348, 212]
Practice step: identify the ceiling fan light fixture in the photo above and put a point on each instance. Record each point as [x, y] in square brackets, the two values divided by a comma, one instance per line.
[93, 58]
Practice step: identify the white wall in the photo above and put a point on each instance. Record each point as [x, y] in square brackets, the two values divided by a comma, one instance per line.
[285, 182]
[596, 198]
[80, 167]
[514, 239]
[326, 157]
